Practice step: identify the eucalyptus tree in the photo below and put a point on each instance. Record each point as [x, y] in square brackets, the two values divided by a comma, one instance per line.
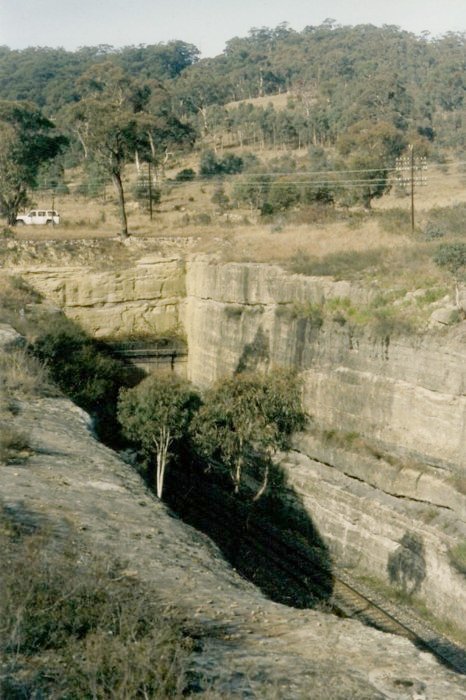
[27, 141]
[106, 122]
[156, 415]
[370, 150]
[248, 416]
[118, 117]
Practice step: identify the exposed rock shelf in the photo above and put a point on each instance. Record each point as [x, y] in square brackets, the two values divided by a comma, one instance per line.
[405, 394]
[256, 646]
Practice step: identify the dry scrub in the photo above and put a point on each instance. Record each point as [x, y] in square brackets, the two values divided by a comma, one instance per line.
[74, 627]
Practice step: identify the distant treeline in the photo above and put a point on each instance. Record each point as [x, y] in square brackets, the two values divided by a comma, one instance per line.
[336, 76]
[357, 98]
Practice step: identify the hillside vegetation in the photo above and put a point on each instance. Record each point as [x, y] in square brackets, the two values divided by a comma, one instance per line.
[287, 144]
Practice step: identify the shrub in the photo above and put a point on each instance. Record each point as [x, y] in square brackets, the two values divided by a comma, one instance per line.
[231, 164]
[185, 175]
[282, 195]
[85, 371]
[451, 256]
[433, 231]
[14, 444]
[313, 313]
[211, 166]
[457, 556]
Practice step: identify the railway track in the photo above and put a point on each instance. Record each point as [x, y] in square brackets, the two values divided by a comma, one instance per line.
[302, 565]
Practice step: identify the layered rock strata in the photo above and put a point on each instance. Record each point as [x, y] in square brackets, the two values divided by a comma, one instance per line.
[399, 497]
[144, 298]
[394, 507]
[251, 647]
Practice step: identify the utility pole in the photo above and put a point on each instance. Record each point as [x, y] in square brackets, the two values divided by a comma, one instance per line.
[150, 192]
[410, 171]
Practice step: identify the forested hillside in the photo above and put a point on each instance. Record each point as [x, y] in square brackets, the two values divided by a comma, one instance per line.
[354, 97]
[338, 75]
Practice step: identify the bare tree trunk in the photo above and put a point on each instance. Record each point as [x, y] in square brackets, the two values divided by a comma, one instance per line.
[82, 141]
[264, 484]
[152, 146]
[162, 445]
[116, 179]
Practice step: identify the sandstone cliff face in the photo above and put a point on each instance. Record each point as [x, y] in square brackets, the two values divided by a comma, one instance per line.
[144, 298]
[389, 517]
[250, 647]
[405, 395]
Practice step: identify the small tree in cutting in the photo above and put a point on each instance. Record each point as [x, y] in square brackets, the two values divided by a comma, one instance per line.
[156, 415]
[249, 416]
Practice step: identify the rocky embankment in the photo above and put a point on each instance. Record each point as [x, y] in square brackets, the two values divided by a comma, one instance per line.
[251, 647]
[382, 470]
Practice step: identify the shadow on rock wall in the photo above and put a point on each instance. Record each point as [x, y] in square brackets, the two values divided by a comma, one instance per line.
[255, 355]
[271, 542]
[407, 566]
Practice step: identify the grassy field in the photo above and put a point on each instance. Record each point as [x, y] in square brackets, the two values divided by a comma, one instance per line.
[186, 211]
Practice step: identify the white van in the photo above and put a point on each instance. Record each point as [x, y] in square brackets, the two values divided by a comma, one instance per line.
[39, 216]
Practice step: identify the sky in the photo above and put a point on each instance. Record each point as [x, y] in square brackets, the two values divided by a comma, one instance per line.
[207, 24]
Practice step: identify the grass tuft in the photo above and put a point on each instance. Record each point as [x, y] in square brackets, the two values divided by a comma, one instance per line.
[74, 627]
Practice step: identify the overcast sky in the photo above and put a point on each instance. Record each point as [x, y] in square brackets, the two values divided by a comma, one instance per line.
[207, 24]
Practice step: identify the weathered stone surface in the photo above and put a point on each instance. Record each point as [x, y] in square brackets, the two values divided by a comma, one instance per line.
[366, 527]
[404, 393]
[408, 392]
[444, 316]
[256, 648]
[412, 480]
[9, 338]
[145, 298]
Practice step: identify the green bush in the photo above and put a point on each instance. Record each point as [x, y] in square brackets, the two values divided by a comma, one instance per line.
[451, 256]
[282, 195]
[211, 166]
[457, 555]
[85, 370]
[185, 175]
[433, 230]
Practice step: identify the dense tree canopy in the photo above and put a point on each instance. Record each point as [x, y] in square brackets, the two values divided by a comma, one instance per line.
[156, 415]
[247, 417]
[338, 74]
[360, 92]
[27, 140]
